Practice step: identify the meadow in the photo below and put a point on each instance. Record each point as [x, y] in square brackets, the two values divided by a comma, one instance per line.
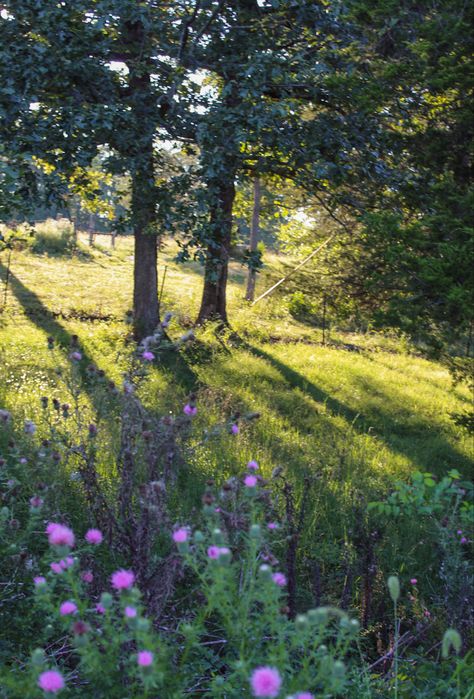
[334, 427]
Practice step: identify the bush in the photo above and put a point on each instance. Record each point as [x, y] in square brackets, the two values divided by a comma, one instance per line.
[54, 237]
[302, 307]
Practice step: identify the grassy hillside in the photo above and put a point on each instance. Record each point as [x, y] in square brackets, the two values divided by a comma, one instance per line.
[363, 399]
[343, 420]
[351, 413]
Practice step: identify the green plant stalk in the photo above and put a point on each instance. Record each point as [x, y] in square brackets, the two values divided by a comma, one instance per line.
[395, 648]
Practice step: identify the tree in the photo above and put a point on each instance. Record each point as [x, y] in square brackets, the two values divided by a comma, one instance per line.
[416, 244]
[284, 103]
[63, 101]
[404, 256]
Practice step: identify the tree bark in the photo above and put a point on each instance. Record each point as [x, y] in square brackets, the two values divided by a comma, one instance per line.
[143, 106]
[254, 231]
[145, 275]
[213, 303]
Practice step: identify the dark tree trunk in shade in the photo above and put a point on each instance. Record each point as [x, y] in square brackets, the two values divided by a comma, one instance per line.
[145, 275]
[213, 303]
[143, 107]
[145, 283]
[253, 242]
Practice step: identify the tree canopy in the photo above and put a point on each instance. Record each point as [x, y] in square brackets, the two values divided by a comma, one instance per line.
[364, 106]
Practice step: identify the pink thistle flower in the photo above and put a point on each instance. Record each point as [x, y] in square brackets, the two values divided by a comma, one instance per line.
[250, 481]
[66, 563]
[39, 580]
[265, 682]
[36, 502]
[427, 614]
[100, 609]
[224, 551]
[272, 525]
[463, 540]
[304, 695]
[51, 681]
[148, 356]
[122, 579]
[413, 581]
[235, 429]
[459, 531]
[75, 356]
[94, 536]
[180, 535]
[279, 579]
[56, 567]
[213, 552]
[145, 658]
[80, 628]
[60, 535]
[87, 576]
[68, 607]
[189, 409]
[252, 465]
[130, 612]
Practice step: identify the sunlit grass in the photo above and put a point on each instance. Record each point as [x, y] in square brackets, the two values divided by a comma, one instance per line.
[351, 418]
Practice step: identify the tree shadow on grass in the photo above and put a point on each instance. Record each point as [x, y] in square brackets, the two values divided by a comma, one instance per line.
[44, 319]
[35, 310]
[395, 436]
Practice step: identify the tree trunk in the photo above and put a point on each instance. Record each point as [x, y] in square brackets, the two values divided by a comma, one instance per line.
[254, 230]
[213, 303]
[145, 274]
[143, 107]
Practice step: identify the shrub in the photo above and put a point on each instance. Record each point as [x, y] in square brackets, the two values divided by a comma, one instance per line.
[302, 307]
[444, 514]
[54, 237]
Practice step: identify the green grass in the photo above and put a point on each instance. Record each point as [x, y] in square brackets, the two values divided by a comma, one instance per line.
[351, 419]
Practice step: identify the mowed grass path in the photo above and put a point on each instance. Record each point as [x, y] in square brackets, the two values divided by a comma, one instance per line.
[353, 419]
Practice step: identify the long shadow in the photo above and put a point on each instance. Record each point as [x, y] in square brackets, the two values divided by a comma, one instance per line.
[174, 363]
[462, 399]
[360, 420]
[40, 316]
[297, 380]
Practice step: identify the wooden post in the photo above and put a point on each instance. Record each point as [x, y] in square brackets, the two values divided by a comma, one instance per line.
[324, 319]
[91, 229]
[254, 230]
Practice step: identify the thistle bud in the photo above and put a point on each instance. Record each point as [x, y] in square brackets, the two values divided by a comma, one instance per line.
[301, 621]
[106, 600]
[451, 639]
[393, 585]
[37, 657]
[255, 531]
